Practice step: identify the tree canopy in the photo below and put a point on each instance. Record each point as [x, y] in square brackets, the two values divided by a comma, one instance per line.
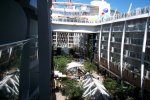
[60, 62]
[72, 90]
[89, 66]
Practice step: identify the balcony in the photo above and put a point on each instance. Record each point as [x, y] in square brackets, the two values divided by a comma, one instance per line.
[140, 12]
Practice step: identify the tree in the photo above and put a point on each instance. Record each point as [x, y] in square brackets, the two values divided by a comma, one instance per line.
[60, 62]
[89, 66]
[71, 89]
[90, 47]
[119, 90]
[124, 90]
[110, 84]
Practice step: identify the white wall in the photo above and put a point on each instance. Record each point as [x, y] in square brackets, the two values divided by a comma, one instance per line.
[74, 28]
[102, 5]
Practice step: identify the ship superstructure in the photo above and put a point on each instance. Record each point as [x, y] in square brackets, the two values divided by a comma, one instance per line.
[94, 12]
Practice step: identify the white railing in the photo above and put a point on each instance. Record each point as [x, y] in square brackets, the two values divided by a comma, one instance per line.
[136, 12]
[72, 20]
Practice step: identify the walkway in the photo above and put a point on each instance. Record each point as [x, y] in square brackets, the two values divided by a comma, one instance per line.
[59, 96]
[99, 77]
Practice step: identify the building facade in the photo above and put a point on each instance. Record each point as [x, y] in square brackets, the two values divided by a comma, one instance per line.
[121, 43]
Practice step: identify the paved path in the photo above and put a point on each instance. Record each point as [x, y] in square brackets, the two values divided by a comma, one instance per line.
[59, 96]
[100, 77]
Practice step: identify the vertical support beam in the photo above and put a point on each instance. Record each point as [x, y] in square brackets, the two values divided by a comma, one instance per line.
[142, 56]
[36, 46]
[93, 44]
[0, 53]
[99, 44]
[56, 39]
[78, 39]
[10, 51]
[108, 48]
[24, 78]
[73, 39]
[68, 39]
[122, 48]
[24, 73]
[45, 49]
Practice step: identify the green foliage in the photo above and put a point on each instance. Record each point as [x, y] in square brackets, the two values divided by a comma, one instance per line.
[123, 90]
[15, 63]
[118, 90]
[72, 90]
[110, 84]
[129, 98]
[89, 66]
[89, 47]
[60, 62]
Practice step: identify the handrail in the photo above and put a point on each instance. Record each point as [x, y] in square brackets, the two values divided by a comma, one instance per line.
[17, 42]
[136, 12]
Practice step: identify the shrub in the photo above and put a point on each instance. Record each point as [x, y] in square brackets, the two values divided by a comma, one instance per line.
[119, 90]
[89, 66]
[60, 62]
[71, 89]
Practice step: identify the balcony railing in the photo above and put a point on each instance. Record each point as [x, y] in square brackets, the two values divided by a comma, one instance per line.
[10, 62]
[12, 50]
[72, 20]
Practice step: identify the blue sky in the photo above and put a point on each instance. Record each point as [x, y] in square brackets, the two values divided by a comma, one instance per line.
[121, 5]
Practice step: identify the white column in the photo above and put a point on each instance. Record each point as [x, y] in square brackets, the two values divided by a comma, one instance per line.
[68, 40]
[56, 39]
[10, 51]
[142, 56]
[99, 45]
[37, 55]
[36, 46]
[108, 48]
[0, 53]
[74, 35]
[122, 48]
[78, 39]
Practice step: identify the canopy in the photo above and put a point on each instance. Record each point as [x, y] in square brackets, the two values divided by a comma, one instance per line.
[59, 74]
[75, 64]
[92, 86]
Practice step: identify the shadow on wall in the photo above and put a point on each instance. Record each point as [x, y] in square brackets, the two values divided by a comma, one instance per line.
[13, 22]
